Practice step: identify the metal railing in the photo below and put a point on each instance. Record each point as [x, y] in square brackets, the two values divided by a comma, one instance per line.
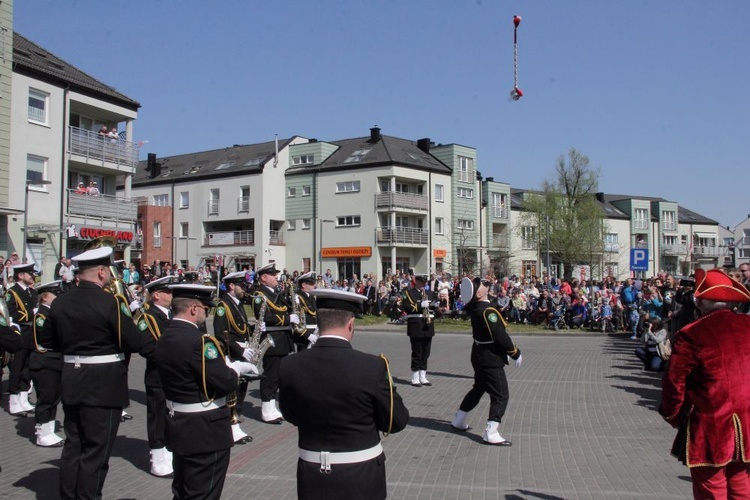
[710, 251]
[500, 240]
[393, 200]
[243, 204]
[96, 147]
[529, 244]
[669, 226]
[611, 247]
[402, 235]
[229, 238]
[640, 224]
[101, 207]
[500, 212]
[276, 238]
[213, 207]
[673, 249]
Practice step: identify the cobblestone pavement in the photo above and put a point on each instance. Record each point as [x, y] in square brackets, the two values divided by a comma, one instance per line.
[582, 418]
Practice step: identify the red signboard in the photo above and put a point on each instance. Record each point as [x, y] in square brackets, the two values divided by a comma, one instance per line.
[90, 233]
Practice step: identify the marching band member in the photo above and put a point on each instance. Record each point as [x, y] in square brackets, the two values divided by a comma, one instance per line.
[305, 285]
[419, 328]
[21, 299]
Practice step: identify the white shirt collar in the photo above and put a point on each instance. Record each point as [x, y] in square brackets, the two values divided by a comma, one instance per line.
[333, 337]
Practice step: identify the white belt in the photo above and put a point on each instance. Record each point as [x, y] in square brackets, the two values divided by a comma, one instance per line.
[417, 316]
[195, 407]
[93, 360]
[327, 458]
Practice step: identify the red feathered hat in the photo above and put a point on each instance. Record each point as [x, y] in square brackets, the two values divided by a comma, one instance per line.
[717, 286]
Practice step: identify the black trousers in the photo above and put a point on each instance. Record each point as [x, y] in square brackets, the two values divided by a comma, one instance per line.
[269, 384]
[156, 416]
[363, 481]
[490, 380]
[420, 352]
[18, 379]
[48, 393]
[200, 476]
[90, 433]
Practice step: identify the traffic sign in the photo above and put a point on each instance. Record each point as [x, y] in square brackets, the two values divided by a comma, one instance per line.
[639, 259]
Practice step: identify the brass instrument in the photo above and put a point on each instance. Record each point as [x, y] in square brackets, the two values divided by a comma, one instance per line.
[426, 317]
[255, 343]
[300, 328]
[5, 356]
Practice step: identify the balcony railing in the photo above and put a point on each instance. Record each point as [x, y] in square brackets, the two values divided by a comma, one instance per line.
[500, 240]
[92, 146]
[277, 238]
[243, 204]
[611, 247]
[529, 244]
[500, 212]
[229, 238]
[669, 226]
[213, 207]
[402, 235]
[640, 224]
[393, 200]
[706, 251]
[673, 249]
[102, 207]
[157, 241]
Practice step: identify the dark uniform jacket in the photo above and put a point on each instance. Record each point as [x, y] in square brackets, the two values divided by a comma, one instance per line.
[343, 411]
[492, 344]
[412, 304]
[11, 339]
[276, 315]
[231, 326]
[154, 321]
[46, 348]
[21, 305]
[308, 308]
[181, 354]
[88, 321]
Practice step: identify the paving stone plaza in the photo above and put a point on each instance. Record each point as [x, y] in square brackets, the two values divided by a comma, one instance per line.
[582, 418]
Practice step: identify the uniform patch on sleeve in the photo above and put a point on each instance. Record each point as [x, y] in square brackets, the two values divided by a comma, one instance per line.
[40, 321]
[142, 326]
[220, 311]
[2, 321]
[210, 351]
[125, 309]
[258, 300]
[492, 318]
[8, 298]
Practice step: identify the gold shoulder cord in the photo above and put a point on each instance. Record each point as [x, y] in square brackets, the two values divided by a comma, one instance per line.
[36, 343]
[390, 390]
[232, 322]
[153, 326]
[21, 307]
[203, 361]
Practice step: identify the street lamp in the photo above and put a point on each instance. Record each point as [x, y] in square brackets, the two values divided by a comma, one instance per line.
[320, 261]
[42, 182]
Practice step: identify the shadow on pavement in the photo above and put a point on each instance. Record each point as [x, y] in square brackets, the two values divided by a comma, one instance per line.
[445, 426]
[133, 450]
[42, 482]
[531, 494]
[25, 427]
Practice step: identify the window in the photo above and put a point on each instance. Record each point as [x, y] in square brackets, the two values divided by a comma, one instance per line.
[668, 219]
[670, 240]
[38, 104]
[184, 226]
[305, 223]
[465, 168]
[243, 204]
[465, 192]
[184, 199]
[36, 170]
[157, 234]
[528, 237]
[744, 253]
[161, 200]
[357, 156]
[347, 187]
[291, 224]
[213, 202]
[291, 192]
[499, 205]
[348, 221]
[306, 190]
[641, 218]
[438, 225]
[303, 160]
[610, 242]
[466, 224]
[402, 188]
[439, 192]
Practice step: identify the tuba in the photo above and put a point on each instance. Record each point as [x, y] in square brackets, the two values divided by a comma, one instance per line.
[5, 356]
[116, 285]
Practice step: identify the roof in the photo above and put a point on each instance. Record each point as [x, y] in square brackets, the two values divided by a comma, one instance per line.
[31, 57]
[224, 162]
[608, 209]
[362, 152]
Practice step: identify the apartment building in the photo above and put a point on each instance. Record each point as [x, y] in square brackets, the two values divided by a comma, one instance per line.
[57, 111]
[6, 77]
[741, 250]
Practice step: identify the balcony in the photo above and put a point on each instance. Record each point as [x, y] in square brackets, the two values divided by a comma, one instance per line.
[669, 226]
[276, 238]
[213, 207]
[706, 251]
[95, 149]
[401, 236]
[392, 200]
[640, 224]
[529, 244]
[243, 204]
[500, 212]
[229, 238]
[500, 241]
[612, 247]
[673, 249]
[101, 208]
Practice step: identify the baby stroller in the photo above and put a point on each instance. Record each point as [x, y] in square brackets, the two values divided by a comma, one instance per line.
[557, 321]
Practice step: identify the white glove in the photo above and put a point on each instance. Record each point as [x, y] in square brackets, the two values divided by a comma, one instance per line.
[247, 354]
[15, 326]
[241, 367]
[519, 360]
[312, 338]
[134, 305]
[293, 318]
[425, 304]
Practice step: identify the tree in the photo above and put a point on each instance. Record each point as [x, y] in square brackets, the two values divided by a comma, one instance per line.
[576, 221]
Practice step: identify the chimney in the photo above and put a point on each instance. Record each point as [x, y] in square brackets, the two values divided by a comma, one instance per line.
[374, 134]
[424, 144]
[153, 168]
[490, 179]
[600, 197]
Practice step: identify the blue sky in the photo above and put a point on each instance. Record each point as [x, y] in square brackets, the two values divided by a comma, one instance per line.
[655, 92]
